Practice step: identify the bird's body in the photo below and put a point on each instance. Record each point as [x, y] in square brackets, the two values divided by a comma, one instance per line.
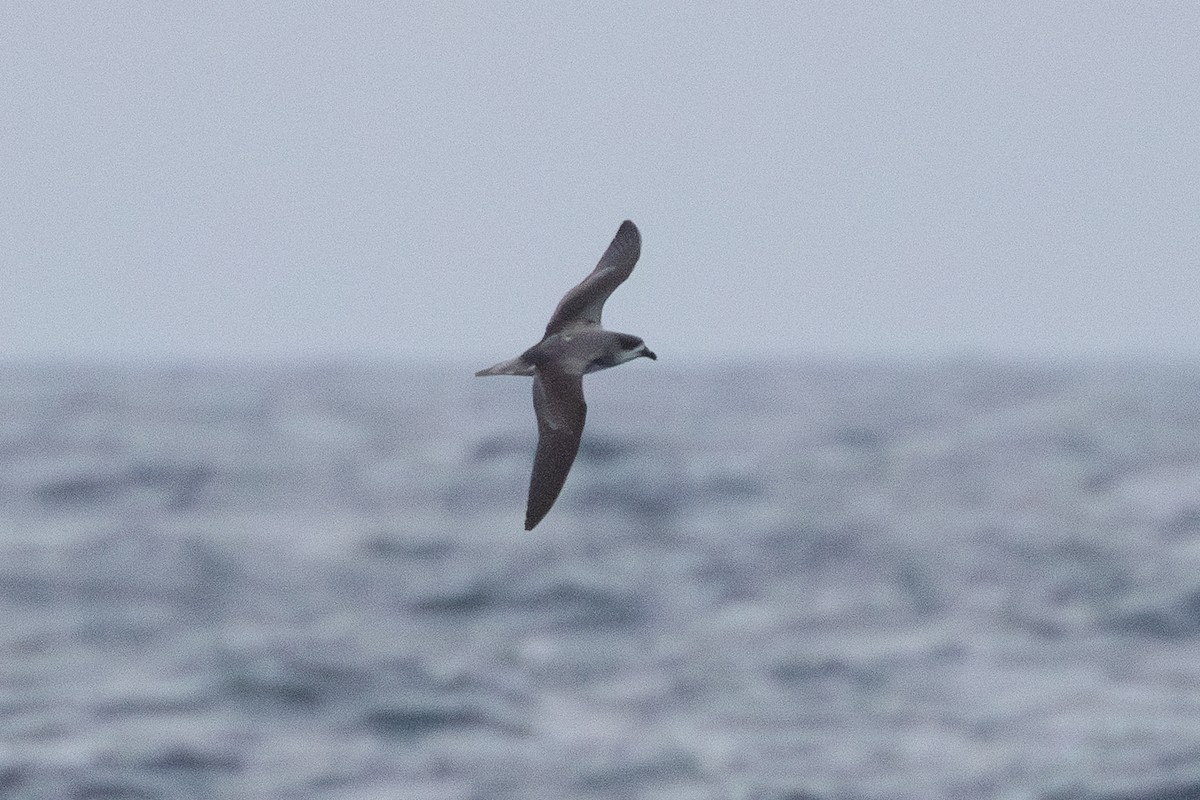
[574, 345]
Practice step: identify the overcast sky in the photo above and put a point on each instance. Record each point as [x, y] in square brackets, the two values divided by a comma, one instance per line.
[407, 180]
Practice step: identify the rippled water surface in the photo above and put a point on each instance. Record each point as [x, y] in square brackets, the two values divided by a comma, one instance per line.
[958, 580]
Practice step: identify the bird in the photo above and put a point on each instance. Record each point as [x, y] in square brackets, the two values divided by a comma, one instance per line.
[574, 344]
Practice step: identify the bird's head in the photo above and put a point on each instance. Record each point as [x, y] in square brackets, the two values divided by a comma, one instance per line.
[633, 347]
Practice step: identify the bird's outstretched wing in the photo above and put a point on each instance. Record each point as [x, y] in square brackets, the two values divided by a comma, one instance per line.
[561, 411]
[584, 303]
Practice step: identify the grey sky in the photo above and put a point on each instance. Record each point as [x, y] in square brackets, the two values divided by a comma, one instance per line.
[405, 180]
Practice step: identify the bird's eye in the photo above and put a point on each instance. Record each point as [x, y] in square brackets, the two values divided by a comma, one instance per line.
[630, 342]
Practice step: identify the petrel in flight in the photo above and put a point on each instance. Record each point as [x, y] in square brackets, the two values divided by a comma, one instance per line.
[574, 345]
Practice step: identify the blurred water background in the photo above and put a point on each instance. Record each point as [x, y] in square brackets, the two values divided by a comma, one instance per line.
[957, 579]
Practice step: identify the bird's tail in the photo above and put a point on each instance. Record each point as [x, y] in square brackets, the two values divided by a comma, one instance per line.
[514, 366]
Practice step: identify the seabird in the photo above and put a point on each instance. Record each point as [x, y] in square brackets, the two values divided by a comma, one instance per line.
[574, 344]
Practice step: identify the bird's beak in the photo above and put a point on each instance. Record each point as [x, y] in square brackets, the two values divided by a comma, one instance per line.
[648, 353]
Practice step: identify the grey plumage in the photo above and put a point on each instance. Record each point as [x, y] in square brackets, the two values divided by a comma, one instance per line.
[574, 345]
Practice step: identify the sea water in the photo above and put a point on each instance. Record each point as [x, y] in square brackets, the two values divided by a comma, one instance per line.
[827, 580]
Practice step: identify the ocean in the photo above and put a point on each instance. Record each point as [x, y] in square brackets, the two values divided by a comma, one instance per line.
[814, 581]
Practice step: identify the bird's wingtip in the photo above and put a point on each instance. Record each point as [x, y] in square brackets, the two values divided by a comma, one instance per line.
[630, 235]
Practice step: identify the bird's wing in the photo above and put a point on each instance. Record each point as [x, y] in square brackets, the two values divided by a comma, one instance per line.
[584, 303]
[561, 411]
